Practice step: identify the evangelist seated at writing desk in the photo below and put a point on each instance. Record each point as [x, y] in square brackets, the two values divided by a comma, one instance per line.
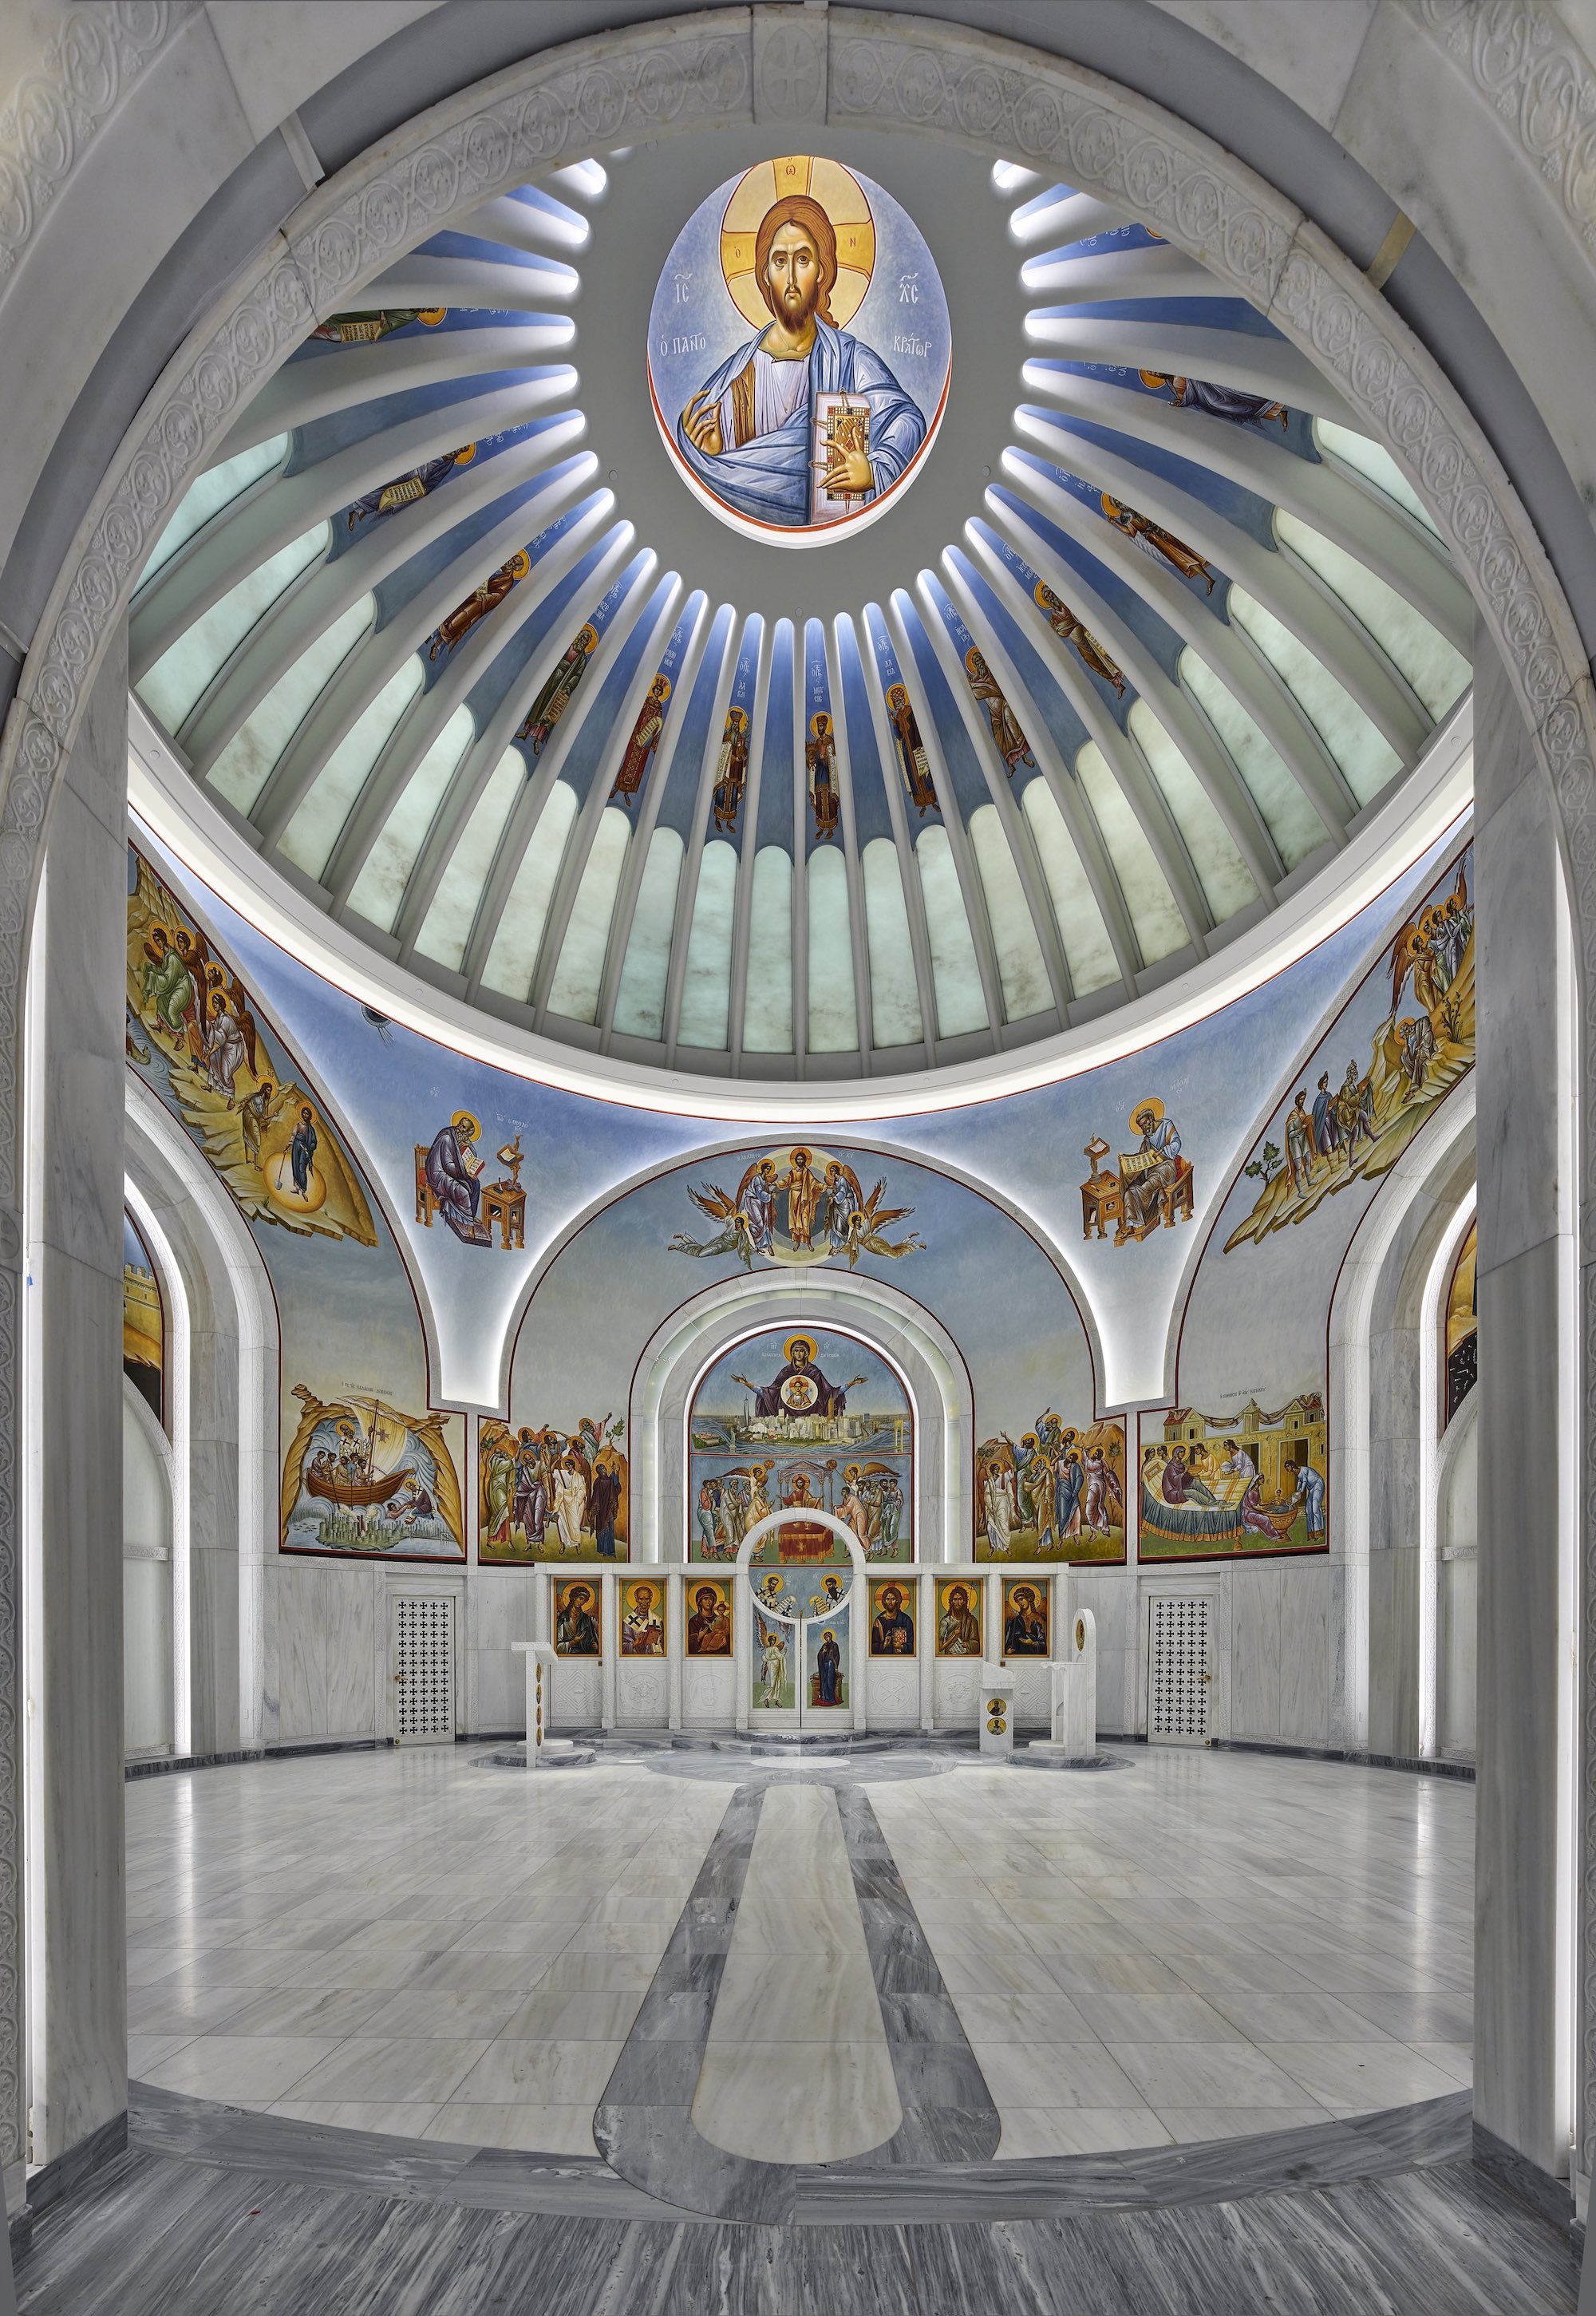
[504, 1202]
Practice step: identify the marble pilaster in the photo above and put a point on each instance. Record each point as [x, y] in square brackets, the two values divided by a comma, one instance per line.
[1527, 1275]
[73, 1620]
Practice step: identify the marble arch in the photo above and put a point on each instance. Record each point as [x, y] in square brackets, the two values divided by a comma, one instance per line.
[989, 94]
[676, 1355]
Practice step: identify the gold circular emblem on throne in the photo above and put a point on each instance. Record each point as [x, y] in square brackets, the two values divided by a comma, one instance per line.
[838, 192]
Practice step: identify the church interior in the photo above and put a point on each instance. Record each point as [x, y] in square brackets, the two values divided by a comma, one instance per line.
[796, 1274]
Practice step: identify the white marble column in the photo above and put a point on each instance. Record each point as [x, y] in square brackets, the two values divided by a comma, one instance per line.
[72, 1588]
[1528, 1455]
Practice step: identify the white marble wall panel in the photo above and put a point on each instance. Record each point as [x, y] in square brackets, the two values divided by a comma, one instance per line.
[892, 1693]
[1254, 1595]
[146, 1652]
[578, 1693]
[1304, 1659]
[301, 1652]
[1033, 1687]
[213, 1650]
[957, 1690]
[1459, 1618]
[499, 1610]
[352, 1635]
[1112, 1598]
[641, 1693]
[709, 1692]
[1393, 1653]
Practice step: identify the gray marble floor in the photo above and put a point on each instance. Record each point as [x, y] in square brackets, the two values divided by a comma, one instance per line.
[1205, 1945]
[219, 2213]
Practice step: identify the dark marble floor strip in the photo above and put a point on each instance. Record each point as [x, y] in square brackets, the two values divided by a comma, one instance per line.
[644, 2123]
[949, 2116]
[164, 2235]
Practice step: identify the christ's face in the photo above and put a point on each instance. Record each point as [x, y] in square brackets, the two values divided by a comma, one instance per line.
[792, 276]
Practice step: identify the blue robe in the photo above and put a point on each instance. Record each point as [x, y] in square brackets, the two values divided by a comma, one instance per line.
[770, 477]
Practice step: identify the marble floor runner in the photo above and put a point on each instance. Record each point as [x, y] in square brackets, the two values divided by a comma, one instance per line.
[669, 2090]
[796, 2066]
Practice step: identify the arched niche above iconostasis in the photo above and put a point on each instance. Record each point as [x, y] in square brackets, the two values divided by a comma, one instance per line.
[938, 1278]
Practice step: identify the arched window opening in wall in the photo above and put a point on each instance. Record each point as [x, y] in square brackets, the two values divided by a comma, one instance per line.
[144, 1322]
[802, 1418]
[1459, 1349]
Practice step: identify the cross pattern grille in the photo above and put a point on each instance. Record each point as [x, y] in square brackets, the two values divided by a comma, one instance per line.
[425, 1667]
[1177, 1672]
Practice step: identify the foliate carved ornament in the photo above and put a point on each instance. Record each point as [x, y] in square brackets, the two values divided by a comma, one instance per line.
[58, 111]
[1532, 71]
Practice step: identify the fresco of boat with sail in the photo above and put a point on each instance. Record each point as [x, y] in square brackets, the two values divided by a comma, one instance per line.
[362, 1476]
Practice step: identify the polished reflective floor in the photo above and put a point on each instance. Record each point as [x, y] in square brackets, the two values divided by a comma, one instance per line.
[1196, 1948]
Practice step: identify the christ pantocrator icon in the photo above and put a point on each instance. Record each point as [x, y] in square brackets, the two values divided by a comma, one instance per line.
[805, 423]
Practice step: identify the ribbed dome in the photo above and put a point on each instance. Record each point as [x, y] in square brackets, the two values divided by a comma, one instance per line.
[442, 646]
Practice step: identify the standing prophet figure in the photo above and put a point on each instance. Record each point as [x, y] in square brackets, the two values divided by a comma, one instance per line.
[748, 434]
[302, 1151]
[644, 740]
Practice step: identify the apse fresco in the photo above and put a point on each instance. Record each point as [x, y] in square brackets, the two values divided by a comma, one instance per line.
[1460, 1348]
[545, 1493]
[798, 1205]
[1150, 1187]
[981, 1275]
[361, 1476]
[799, 346]
[1254, 1481]
[369, 1470]
[144, 1322]
[801, 1419]
[194, 1034]
[1251, 1378]
[1407, 1037]
[1056, 1491]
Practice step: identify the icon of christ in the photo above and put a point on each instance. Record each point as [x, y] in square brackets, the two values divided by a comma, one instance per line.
[805, 423]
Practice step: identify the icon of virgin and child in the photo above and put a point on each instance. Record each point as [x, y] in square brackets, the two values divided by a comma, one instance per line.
[803, 423]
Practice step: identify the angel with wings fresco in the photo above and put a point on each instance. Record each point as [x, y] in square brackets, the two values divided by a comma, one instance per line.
[798, 1205]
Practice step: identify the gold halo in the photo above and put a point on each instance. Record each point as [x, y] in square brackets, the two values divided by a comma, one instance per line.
[808, 1342]
[465, 1126]
[1152, 1103]
[519, 564]
[843, 198]
[588, 637]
